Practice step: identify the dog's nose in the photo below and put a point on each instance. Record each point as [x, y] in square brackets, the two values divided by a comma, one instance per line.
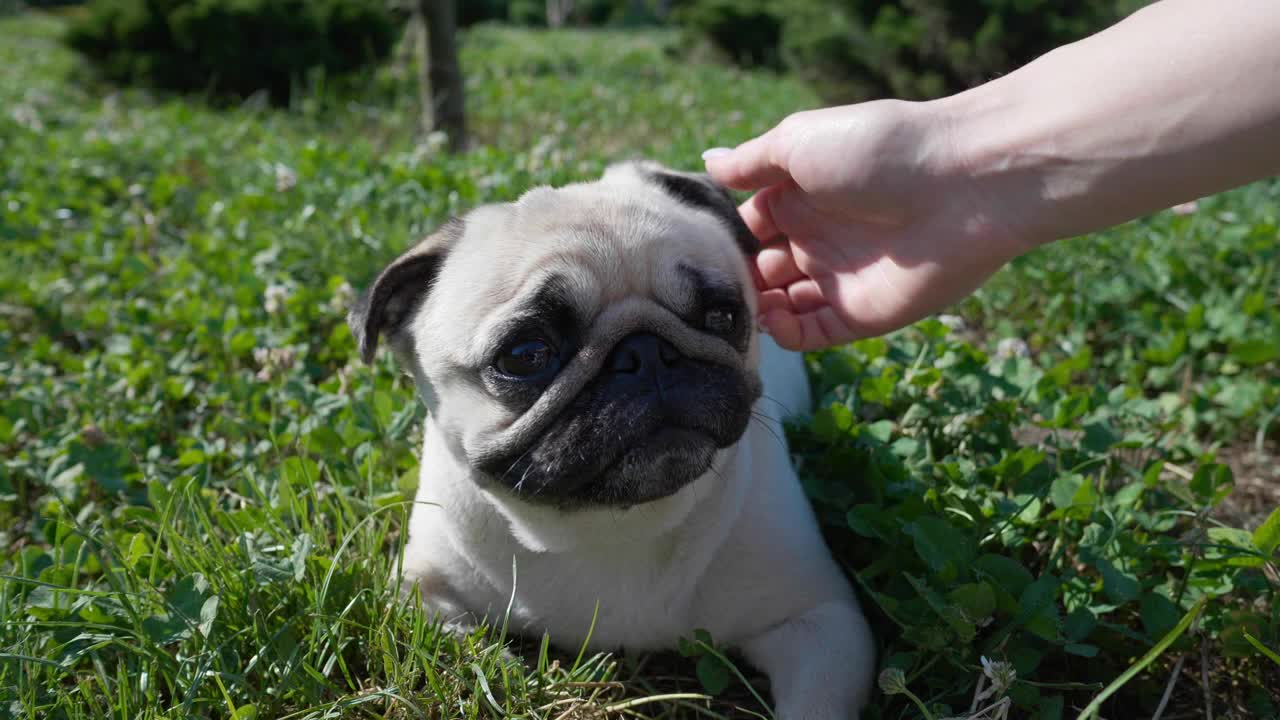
[641, 353]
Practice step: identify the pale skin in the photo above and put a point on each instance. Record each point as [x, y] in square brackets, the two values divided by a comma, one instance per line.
[879, 214]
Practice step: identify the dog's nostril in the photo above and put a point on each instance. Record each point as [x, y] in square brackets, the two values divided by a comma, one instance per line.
[643, 352]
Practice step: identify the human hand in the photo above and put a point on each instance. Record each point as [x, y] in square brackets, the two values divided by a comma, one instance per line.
[868, 218]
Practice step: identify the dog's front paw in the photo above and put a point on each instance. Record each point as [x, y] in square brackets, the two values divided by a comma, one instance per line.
[815, 711]
[819, 663]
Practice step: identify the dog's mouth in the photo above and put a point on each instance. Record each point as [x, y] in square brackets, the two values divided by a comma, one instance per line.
[660, 463]
[630, 437]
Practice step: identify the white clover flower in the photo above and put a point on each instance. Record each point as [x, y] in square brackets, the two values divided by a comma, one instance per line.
[1186, 208]
[345, 374]
[893, 681]
[27, 117]
[540, 152]
[436, 140]
[543, 146]
[273, 362]
[954, 323]
[1000, 673]
[93, 436]
[491, 180]
[274, 297]
[286, 178]
[343, 296]
[1012, 347]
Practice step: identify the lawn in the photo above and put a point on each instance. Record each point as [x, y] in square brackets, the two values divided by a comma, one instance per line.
[203, 492]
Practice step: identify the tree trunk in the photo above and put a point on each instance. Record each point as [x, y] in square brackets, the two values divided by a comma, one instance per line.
[416, 58]
[558, 12]
[439, 71]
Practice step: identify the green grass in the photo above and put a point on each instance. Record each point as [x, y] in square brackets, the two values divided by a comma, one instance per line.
[203, 493]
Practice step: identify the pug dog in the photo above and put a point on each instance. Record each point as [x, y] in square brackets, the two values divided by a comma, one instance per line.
[604, 435]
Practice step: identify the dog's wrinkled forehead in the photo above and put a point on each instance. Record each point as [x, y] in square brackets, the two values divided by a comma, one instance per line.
[583, 247]
[642, 231]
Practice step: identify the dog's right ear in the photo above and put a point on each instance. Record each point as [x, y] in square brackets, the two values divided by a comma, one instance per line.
[399, 289]
[698, 190]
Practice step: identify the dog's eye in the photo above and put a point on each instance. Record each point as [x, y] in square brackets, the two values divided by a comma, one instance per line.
[526, 359]
[718, 321]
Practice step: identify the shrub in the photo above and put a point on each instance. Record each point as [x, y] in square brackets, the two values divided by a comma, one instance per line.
[748, 31]
[478, 11]
[915, 49]
[232, 48]
[9, 7]
[594, 13]
[925, 48]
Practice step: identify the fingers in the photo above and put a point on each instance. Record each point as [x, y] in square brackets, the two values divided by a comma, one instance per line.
[800, 317]
[777, 266]
[758, 216]
[792, 306]
[799, 297]
[754, 164]
[782, 209]
[815, 330]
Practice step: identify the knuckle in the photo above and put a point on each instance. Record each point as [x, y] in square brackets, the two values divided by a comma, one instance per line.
[791, 124]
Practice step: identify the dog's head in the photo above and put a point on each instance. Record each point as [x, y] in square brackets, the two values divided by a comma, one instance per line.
[590, 345]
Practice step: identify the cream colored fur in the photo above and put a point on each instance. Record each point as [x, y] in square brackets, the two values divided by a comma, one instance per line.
[737, 552]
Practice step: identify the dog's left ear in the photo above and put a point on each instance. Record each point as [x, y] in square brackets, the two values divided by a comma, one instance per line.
[385, 307]
[700, 191]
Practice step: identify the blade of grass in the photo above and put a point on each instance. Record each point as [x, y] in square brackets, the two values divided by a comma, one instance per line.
[595, 614]
[737, 673]
[636, 702]
[1091, 711]
[1266, 651]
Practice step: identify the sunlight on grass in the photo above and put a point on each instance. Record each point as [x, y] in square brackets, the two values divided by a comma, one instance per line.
[203, 493]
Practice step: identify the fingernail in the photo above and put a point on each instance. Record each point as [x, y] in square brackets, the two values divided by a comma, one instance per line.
[761, 326]
[716, 152]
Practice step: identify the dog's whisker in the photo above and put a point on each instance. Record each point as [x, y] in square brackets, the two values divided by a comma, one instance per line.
[524, 476]
[515, 462]
[774, 433]
[781, 405]
[766, 416]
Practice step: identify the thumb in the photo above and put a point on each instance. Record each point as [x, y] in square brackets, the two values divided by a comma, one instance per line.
[753, 164]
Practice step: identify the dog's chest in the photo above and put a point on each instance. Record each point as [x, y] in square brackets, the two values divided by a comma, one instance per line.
[641, 573]
[641, 595]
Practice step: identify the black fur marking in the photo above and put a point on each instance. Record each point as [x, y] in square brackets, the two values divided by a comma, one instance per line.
[399, 289]
[709, 294]
[700, 191]
[550, 316]
[630, 436]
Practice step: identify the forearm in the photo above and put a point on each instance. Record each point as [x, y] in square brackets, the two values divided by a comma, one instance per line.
[1178, 101]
